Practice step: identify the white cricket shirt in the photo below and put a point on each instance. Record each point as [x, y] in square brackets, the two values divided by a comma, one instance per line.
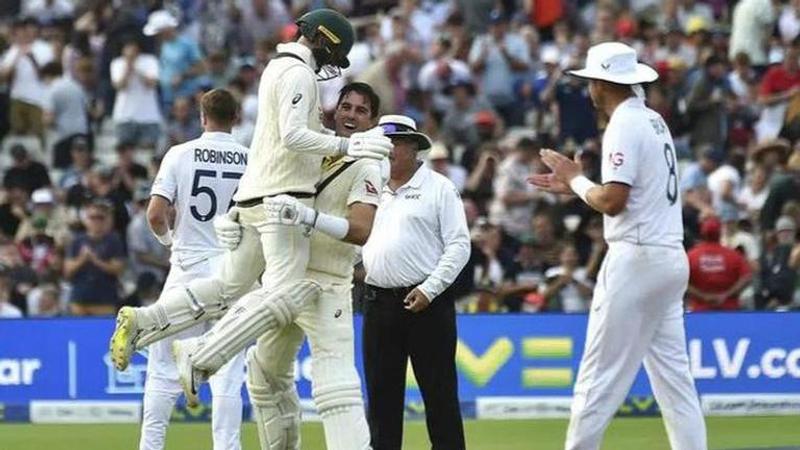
[360, 182]
[288, 145]
[199, 178]
[419, 236]
[638, 151]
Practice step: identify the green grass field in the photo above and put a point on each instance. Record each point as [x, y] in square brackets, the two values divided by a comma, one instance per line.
[624, 434]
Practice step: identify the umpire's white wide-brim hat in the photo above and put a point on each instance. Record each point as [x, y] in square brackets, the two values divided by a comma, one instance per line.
[397, 125]
[615, 62]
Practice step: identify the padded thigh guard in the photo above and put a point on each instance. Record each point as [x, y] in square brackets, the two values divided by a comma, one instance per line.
[180, 308]
[253, 315]
[276, 406]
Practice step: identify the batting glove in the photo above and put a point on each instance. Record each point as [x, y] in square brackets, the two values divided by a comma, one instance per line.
[369, 144]
[287, 210]
[228, 230]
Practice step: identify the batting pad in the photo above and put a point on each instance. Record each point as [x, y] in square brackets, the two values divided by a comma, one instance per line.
[253, 315]
[342, 410]
[276, 406]
[180, 308]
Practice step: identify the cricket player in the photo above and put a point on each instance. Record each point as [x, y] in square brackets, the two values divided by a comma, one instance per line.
[285, 158]
[197, 180]
[637, 310]
[344, 210]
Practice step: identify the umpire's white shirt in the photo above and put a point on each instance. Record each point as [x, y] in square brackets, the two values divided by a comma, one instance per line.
[419, 237]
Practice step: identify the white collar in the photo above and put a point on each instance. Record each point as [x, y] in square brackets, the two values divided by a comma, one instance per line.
[217, 136]
[300, 50]
[416, 181]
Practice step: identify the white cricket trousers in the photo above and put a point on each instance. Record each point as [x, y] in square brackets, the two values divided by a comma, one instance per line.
[162, 387]
[637, 315]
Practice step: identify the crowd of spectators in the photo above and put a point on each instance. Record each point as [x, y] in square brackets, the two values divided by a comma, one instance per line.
[92, 92]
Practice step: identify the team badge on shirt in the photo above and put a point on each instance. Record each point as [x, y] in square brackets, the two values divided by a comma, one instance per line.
[616, 159]
[370, 188]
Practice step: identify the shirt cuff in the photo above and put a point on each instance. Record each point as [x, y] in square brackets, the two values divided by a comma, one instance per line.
[162, 193]
[431, 288]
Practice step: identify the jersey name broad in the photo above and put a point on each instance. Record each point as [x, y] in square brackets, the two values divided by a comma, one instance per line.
[638, 151]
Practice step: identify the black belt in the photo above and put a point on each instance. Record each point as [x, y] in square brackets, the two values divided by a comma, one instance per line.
[249, 203]
[398, 292]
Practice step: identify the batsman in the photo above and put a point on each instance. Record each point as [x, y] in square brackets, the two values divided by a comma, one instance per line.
[285, 161]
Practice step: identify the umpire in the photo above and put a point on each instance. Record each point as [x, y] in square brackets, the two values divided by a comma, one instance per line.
[419, 244]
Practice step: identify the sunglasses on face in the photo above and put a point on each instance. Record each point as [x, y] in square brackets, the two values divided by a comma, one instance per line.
[389, 128]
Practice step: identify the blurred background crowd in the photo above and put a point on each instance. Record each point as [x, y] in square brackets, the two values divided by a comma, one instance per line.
[92, 93]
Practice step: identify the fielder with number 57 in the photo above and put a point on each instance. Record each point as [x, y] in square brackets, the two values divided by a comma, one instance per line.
[637, 309]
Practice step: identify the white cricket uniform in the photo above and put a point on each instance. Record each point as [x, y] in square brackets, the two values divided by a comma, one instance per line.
[329, 322]
[285, 158]
[199, 178]
[637, 309]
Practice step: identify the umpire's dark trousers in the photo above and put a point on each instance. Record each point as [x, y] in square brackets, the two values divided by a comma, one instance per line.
[392, 334]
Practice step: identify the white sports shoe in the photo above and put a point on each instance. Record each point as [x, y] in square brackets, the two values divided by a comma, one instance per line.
[189, 377]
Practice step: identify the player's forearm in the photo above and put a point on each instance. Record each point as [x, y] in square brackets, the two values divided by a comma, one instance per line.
[158, 225]
[600, 200]
[157, 217]
[358, 231]
[609, 198]
[303, 140]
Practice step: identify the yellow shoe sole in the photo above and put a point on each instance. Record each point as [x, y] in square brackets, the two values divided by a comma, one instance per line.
[121, 345]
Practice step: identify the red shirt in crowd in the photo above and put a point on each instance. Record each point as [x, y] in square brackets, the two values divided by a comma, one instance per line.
[778, 79]
[715, 269]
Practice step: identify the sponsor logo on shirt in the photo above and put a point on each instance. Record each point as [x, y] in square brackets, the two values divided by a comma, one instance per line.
[297, 98]
[412, 196]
